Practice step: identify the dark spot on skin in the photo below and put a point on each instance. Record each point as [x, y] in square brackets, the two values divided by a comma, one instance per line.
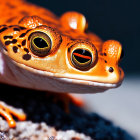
[28, 31]
[105, 54]
[14, 41]
[8, 37]
[15, 49]
[10, 5]
[8, 42]
[24, 13]
[30, 36]
[22, 28]
[22, 35]
[68, 49]
[2, 25]
[19, 46]
[111, 69]
[11, 42]
[3, 29]
[11, 19]
[26, 50]
[11, 26]
[26, 57]
[16, 29]
[72, 39]
[23, 42]
[68, 44]
[101, 54]
[105, 61]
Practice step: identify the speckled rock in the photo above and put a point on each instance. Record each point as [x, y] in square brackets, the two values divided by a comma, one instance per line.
[40, 108]
[36, 131]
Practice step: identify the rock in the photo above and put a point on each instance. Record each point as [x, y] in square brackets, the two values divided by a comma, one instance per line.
[36, 131]
[46, 119]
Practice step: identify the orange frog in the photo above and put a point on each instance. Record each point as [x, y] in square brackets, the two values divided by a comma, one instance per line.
[41, 51]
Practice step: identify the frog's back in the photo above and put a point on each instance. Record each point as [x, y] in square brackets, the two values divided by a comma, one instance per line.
[11, 11]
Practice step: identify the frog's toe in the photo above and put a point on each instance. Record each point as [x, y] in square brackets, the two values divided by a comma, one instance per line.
[7, 112]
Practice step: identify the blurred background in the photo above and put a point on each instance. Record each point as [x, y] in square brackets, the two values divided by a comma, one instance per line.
[119, 20]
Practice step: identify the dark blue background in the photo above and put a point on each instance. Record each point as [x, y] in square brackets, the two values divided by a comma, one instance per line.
[110, 19]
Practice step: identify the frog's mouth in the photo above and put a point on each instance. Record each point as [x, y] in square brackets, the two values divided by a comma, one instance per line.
[66, 84]
[91, 83]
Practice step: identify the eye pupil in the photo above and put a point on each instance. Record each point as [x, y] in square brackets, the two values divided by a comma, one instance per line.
[40, 43]
[82, 55]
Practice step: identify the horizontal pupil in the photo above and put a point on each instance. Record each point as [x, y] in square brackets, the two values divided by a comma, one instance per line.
[82, 52]
[82, 55]
[40, 43]
[80, 59]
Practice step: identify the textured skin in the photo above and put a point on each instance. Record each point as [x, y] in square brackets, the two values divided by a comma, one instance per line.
[65, 32]
[55, 71]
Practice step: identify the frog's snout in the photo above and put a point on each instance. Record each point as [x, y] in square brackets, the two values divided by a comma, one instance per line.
[113, 54]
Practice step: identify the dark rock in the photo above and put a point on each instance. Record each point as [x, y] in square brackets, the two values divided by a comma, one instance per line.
[41, 109]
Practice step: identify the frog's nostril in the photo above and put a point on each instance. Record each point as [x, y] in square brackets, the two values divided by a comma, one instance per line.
[111, 69]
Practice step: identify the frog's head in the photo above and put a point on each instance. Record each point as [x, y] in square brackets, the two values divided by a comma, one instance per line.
[64, 51]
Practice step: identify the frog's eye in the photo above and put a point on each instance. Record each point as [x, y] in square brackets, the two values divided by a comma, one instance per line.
[82, 58]
[40, 44]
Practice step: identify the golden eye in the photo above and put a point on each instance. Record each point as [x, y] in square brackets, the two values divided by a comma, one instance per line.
[40, 44]
[82, 58]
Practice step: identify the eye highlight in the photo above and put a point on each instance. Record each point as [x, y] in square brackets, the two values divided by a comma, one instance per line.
[40, 44]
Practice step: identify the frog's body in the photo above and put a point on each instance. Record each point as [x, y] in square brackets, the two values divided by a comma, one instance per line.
[42, 51]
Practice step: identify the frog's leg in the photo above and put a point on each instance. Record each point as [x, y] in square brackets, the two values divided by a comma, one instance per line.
[76, 100]
[7, 112]
[65, 99]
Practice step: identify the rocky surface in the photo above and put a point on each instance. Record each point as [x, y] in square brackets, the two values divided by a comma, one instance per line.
[36, 131]
[57, 122]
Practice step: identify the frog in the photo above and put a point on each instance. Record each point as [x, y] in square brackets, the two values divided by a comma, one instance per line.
[41, 51]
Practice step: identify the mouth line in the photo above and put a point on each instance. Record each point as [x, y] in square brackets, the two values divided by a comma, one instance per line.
[70, 80]
[91, 83]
